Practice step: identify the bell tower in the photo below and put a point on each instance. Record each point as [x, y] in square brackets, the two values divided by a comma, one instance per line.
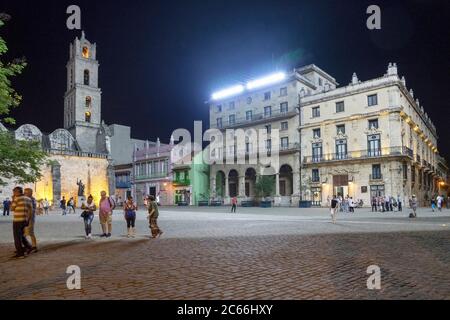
[82, 100]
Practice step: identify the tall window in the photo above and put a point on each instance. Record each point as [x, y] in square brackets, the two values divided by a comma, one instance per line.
[316, 133]
[231, 105]
[86, 77]
[85, 52]
[373, 124]
[374, 145]
[315, 177]
[372, 100]
[317, 152]
[232, 119]
[248, 115]
[219, 108]
[267, 95]
[267, 111]
[284, 107]
[341, 149]
[284, 143]
[268, 128]
[376, 171]
[340, 106]
[284, 125]
[219, 122]
[268, 144]
[283, 91]
[340, 129]
[316, 112]
[88, 102]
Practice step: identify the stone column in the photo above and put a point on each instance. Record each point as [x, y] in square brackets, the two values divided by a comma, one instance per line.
[277, 184]
[295, 189]
[56, 181]
[227, 191]
[212, 186]
[242, 186]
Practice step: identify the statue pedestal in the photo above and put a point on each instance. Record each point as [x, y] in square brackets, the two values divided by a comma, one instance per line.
[80, 201]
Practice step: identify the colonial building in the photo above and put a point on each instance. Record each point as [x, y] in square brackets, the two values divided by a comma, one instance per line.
[79, 151]
[271, 104]
[366, 139]
[152, 172]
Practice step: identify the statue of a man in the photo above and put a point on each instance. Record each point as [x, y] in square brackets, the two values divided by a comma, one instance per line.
[80, 188]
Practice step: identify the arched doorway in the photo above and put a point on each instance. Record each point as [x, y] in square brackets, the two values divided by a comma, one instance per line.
[250, 180]
[286, 181]
[233, 183]
[220, 184]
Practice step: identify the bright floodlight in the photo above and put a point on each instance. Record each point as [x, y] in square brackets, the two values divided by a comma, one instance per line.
[276, 77]
[227, 92]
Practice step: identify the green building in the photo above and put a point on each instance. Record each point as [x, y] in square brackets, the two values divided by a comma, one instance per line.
[190, 181]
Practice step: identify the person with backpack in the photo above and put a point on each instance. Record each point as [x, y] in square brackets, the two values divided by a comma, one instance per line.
[106, 206]
[130, 209]
[153, 214]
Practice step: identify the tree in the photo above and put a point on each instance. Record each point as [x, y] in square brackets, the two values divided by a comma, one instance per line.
[19, 160]
[265, 185]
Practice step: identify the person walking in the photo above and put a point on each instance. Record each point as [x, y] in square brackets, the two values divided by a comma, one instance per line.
[6, 207]
[153, 214]
[45, 205]
[351, 204]
[433, 204]
[374, 204]
[130, 209]
[62, 205]
[334, 208]
[22, 209]
[106, 206]
[448, 202]
[439, 200]
[381, 200]
[386, 202]
[399, 203]
[71, 205]
[233, 204]
[88, 215]
[414, 206]
[29, 230]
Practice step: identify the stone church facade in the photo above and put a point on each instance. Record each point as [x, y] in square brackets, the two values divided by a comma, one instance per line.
[82, 149]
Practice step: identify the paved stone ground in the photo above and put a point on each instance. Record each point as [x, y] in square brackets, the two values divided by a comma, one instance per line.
[208, 253]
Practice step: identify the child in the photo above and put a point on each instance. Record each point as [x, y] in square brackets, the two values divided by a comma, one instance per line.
[153, 214]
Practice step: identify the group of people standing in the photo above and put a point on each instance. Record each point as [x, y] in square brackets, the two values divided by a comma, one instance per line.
[439, 202]
[106, 207]
[386, 203]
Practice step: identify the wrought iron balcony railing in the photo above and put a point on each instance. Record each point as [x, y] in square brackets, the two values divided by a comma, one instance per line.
[152, 176]
[361, 154]
[375, 177]
[248, 120]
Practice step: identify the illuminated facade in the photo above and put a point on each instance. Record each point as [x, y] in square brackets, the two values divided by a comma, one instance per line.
[268, 104]
[368, 139]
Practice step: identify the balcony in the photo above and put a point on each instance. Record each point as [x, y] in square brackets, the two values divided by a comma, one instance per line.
[181, 182]
[418, 159]
[123, 184]
[283, 149]
[152, 176]
[254, 119]
[359, 155]
[376, 177]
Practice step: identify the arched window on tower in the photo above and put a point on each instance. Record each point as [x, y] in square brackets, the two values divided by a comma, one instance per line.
[87, 116]
[88, 102]
[86, 77]
[85, 52]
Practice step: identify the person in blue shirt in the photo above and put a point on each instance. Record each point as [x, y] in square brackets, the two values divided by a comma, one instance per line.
[6, 206]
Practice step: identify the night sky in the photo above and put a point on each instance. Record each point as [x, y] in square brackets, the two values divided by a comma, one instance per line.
[161, 60]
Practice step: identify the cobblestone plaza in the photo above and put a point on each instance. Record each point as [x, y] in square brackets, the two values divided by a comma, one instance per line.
[205, 253]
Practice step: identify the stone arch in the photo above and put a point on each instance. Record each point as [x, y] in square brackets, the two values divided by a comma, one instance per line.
[28, 132]
[233, 183]
[220, 183]
[61, 139]
[286, 180]
[250, 181]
